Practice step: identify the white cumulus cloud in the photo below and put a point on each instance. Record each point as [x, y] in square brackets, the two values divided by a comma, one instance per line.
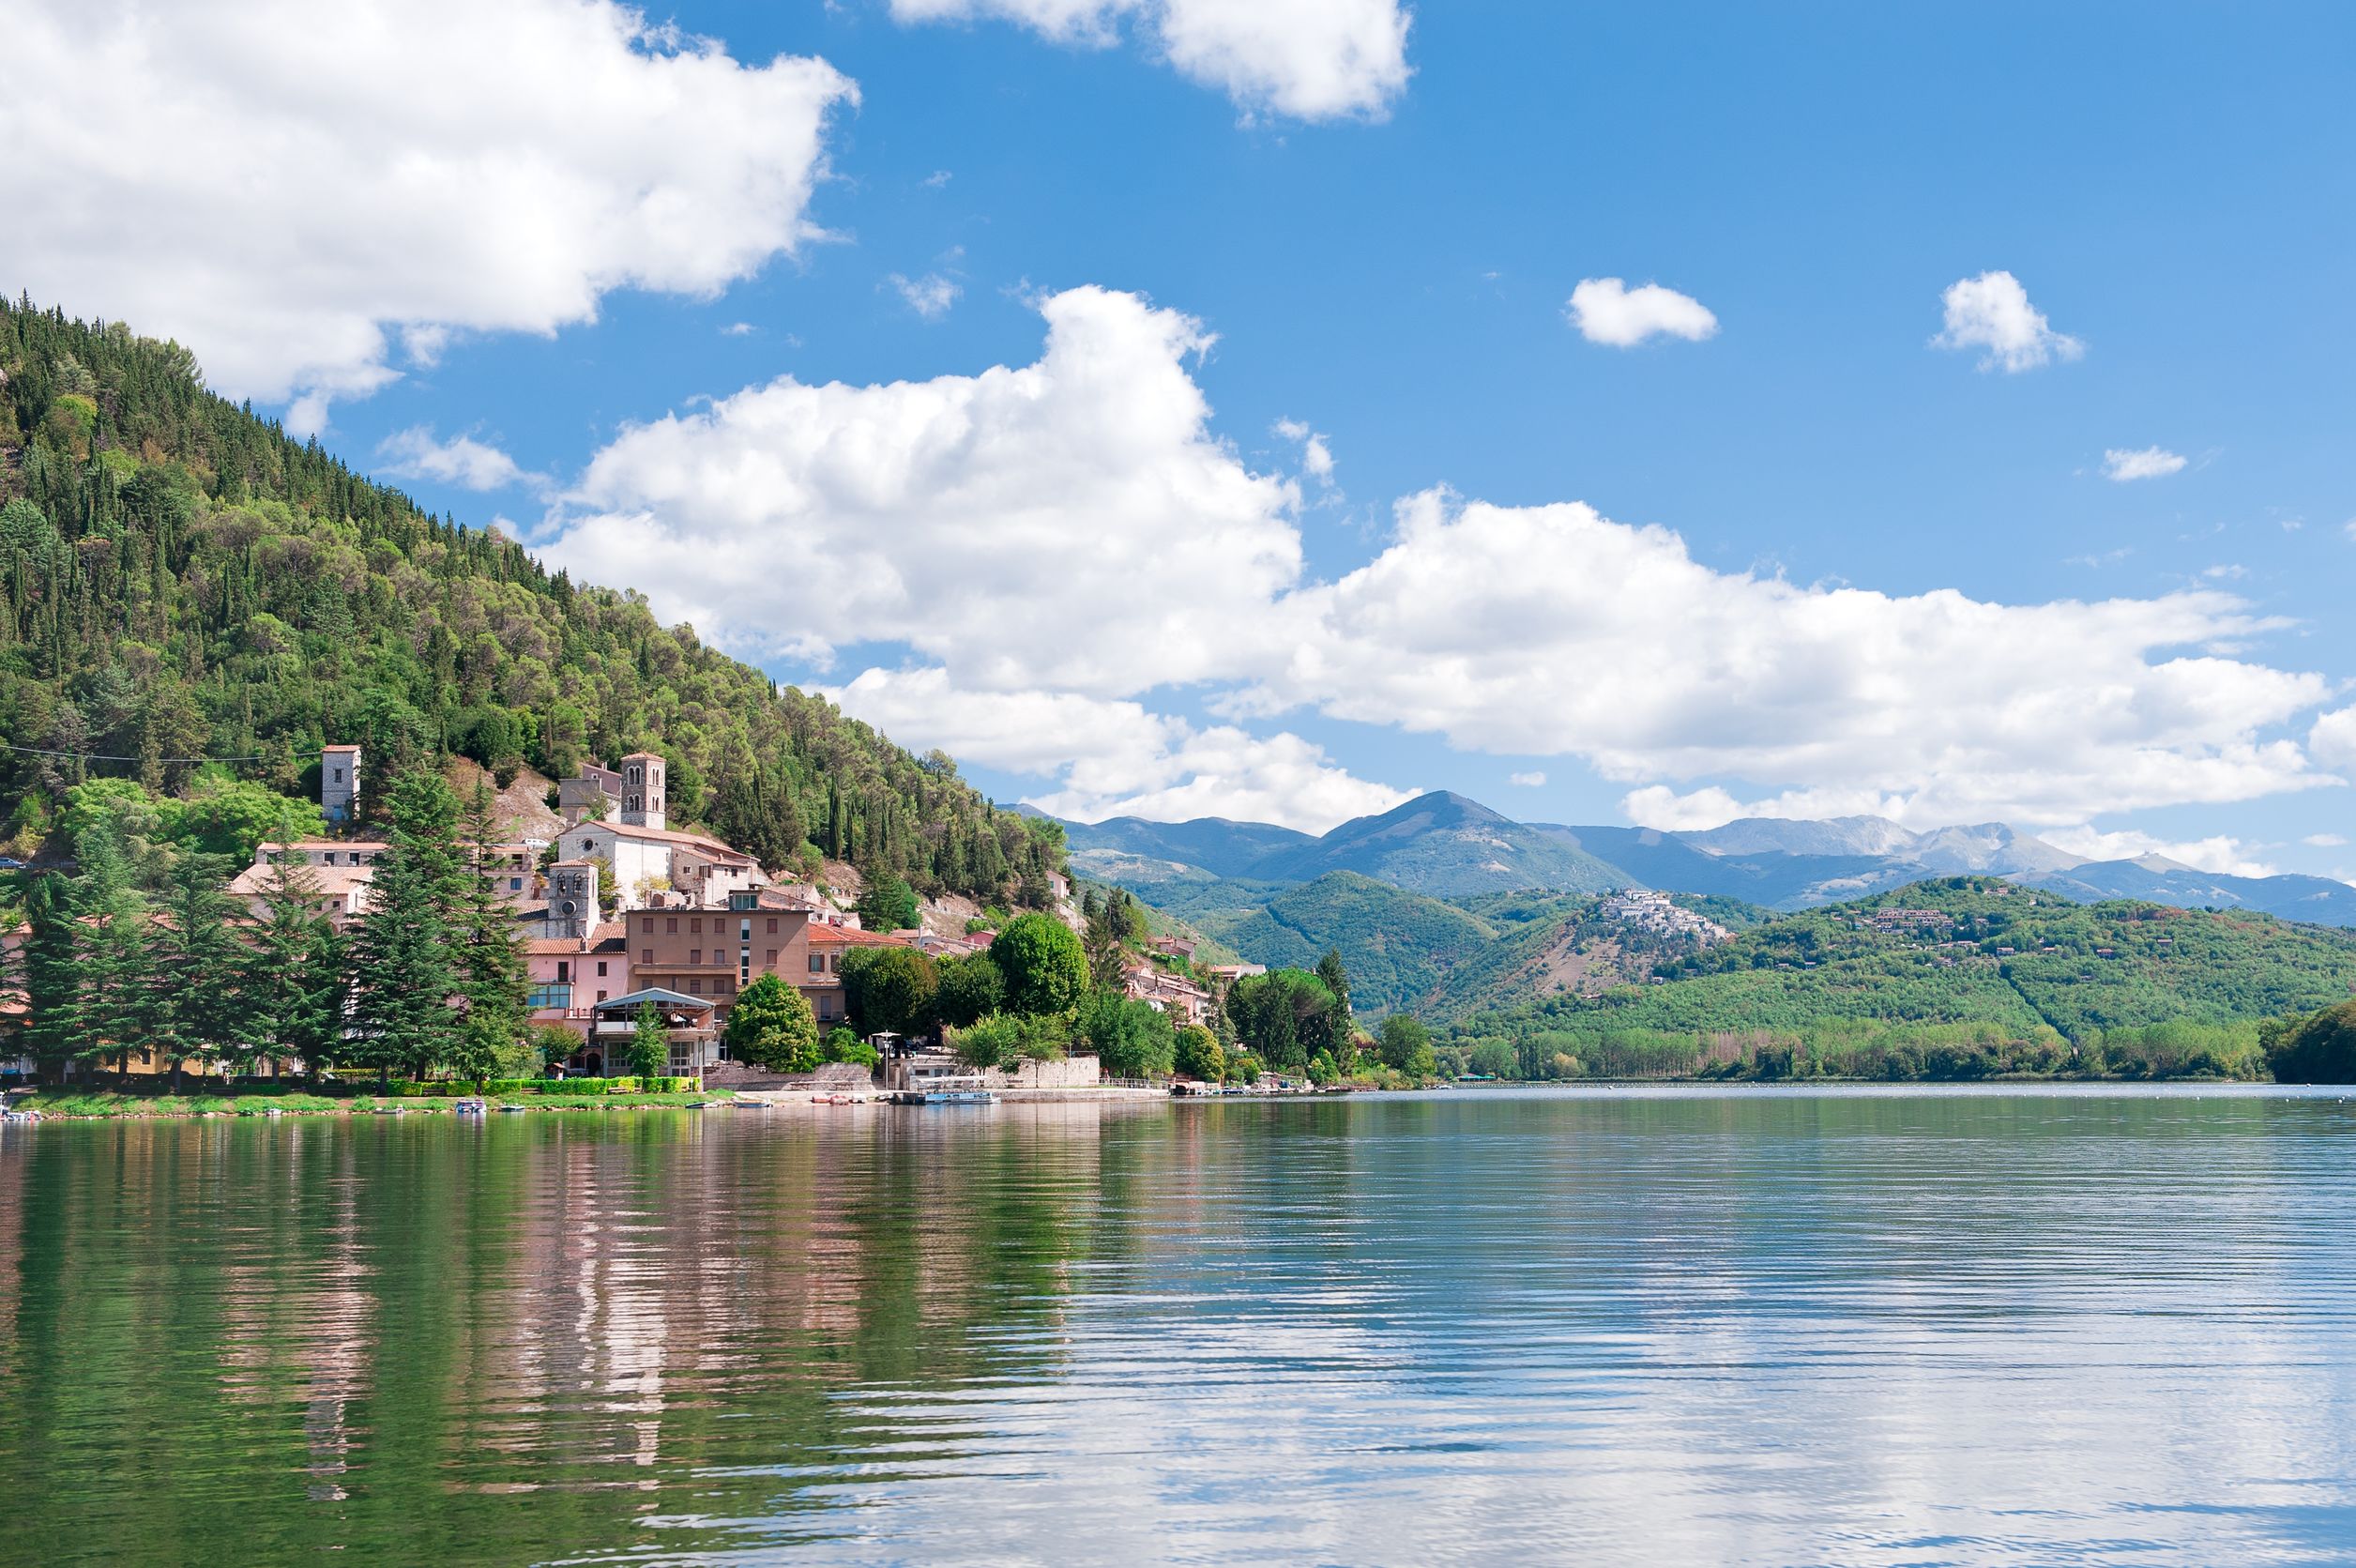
[288, 189]
[1115, 758]
[1305, 59]
[1992, 312]
[1073, 530]
[1532, 780]
[1607, 310]
[2147, 463]
[415, 454]
[2227, 857]
[2333, 740]
[1538, 630]
[1071, 524]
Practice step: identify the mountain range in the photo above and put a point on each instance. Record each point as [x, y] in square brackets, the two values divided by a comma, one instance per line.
[1446, 847]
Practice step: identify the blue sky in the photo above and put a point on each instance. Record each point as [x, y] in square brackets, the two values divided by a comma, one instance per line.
[1386, 262]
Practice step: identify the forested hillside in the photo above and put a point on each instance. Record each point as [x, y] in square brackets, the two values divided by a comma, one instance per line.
[2012, 979]
[180, 580]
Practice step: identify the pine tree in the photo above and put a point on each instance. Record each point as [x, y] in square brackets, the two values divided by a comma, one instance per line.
[488, 957]
[52, 984]
[401, 1016]
[107, 1014]
[1336, 980]
[192, 963]
[293, 983]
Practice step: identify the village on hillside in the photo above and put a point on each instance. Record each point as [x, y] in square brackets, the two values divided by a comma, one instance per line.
[617, 912]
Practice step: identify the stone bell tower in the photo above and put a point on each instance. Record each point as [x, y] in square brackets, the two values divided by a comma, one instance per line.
[339, 785]
[642, 790]
[572, 899]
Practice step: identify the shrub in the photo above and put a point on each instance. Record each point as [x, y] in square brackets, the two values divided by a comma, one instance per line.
[1132, 1039]
[2318, 1050]
[889, 990]
[842, 1045]
[1406, 1047]
[1196, 1054]
[1043, 963]
[771, 1027]
[966, 989]
[1004, 1040]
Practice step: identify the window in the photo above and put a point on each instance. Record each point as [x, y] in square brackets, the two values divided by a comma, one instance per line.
[695, 985]
[564, 969]
[696, 927]
[817, 963]
[671, 925]
[646, 955]
[769, 961]
[515, 884]
[695, 955]
[550, 996]
[834, 963]
[744, 931]
[601, 995]
[646, 925]
[772, 926]
[339, 775]
[600, 968]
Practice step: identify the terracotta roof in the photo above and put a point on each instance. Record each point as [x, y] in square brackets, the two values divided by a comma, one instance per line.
[338, 748]
[665, 835]
[842, 935]
[330, 881]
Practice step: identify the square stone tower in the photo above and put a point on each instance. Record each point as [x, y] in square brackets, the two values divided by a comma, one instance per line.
[339, 785]
[642, 790]
[572, 898]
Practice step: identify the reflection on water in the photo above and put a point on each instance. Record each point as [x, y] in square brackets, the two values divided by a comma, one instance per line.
[1674, 1327]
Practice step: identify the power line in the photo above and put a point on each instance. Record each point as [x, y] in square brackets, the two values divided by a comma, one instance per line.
[103, 756]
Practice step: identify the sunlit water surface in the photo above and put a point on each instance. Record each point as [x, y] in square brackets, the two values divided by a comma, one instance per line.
[1848, 1327]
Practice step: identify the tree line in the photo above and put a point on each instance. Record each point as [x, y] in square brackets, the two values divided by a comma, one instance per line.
[137, 952]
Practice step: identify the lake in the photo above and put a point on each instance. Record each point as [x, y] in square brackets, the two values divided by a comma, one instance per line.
[1904, 1327]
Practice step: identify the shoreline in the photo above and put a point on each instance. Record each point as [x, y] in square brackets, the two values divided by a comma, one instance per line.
[109, 1106]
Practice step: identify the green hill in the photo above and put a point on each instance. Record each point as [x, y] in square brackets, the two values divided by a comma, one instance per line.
[179, 579]
[1397, 946]
[2017, 978]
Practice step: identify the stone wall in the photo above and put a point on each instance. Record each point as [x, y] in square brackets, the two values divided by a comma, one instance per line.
[1071, 1073]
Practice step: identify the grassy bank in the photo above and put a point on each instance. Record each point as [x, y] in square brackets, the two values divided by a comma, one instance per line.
[106, 1105]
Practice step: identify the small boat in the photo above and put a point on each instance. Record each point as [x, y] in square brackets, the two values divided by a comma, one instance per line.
[514, 1110]
[747, 1103]
[274, 1110]
[389, 1110]
[470, 1107]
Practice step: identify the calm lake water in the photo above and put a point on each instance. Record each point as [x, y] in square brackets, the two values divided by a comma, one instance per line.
[1752, 1326]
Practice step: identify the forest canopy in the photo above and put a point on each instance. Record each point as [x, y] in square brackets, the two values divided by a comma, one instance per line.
[180, 580]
